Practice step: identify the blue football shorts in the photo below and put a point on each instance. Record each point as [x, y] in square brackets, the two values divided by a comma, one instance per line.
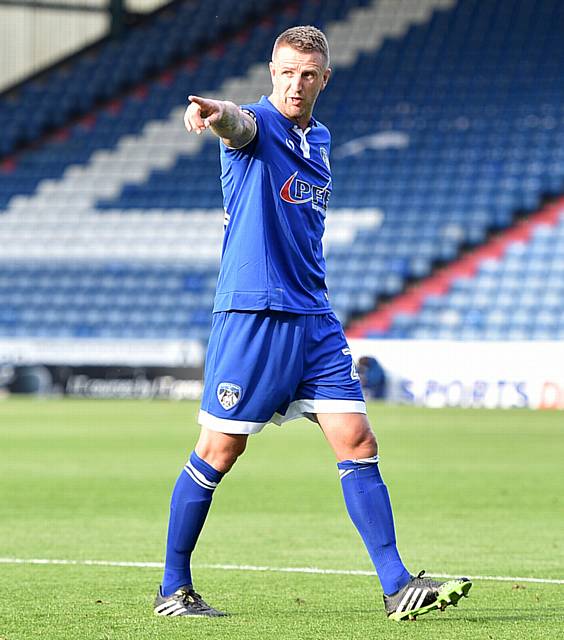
[272, 366]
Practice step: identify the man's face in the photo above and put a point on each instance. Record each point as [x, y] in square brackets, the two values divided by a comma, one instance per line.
[297, 79]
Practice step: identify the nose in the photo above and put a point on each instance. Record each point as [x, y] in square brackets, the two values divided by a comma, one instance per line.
[296, 83]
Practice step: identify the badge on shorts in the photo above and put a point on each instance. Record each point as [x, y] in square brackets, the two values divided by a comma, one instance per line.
[228, 394]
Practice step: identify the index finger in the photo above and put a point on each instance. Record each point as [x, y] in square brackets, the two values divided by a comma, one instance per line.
[203, 102]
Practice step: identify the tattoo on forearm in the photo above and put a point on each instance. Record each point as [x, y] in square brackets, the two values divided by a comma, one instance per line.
[234, 128]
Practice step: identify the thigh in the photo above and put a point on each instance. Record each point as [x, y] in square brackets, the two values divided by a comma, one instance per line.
[253, 366]
[330, 381]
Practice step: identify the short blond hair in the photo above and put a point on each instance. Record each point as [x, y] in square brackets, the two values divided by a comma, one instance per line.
[304, 38]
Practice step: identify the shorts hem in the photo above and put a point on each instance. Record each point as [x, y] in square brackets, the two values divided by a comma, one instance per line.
[305, 409]
[224, 425]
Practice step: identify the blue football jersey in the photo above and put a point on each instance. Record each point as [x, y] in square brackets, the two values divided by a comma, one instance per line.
[275, 194]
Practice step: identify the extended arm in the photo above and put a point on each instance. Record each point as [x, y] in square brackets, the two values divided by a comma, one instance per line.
[235, 127]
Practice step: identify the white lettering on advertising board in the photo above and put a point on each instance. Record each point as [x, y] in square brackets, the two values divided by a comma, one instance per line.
[469, 374]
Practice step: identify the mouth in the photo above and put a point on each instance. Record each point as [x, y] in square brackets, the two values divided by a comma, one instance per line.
[296, 101]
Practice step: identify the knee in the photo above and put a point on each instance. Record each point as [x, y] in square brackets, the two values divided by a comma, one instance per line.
[364, 444]
[360, 442]
[221, 451]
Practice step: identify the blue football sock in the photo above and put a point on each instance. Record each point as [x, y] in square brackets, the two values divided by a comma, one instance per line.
[189, 506]
[368, 504]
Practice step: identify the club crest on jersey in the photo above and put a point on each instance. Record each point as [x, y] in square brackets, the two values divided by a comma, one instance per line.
[228, 394]
[297, 191]
[325, 157]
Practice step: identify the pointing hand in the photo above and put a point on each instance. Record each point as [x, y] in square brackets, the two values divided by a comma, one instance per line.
[202, 113]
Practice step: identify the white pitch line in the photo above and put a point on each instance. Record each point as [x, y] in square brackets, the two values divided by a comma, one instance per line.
[82, 563]
[248, 567]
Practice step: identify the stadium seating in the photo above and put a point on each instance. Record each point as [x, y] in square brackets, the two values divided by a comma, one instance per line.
[110, 300]
[447, 120]
[511, 288]
[117, 65]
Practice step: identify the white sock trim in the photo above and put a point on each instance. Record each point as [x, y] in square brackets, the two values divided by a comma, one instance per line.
[199, 477]
[371, 460]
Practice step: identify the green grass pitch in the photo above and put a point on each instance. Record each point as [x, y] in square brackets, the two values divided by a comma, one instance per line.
[475, 493]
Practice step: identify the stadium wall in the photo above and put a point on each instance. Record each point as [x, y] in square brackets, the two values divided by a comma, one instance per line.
[144, 369]
[439, 374]
[433, 373]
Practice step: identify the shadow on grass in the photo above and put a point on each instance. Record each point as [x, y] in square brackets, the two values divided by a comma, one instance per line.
[500, 615]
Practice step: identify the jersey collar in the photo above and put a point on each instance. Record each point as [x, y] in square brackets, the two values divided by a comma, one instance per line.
[265, 102]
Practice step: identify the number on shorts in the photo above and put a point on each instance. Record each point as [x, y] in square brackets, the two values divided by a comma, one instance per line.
[354, 372]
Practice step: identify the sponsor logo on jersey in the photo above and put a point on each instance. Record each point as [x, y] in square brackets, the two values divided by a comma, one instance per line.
[297, 191]
[228, 394]
[290, 144]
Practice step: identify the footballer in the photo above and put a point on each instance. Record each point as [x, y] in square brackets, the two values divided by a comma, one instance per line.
[276, 350]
